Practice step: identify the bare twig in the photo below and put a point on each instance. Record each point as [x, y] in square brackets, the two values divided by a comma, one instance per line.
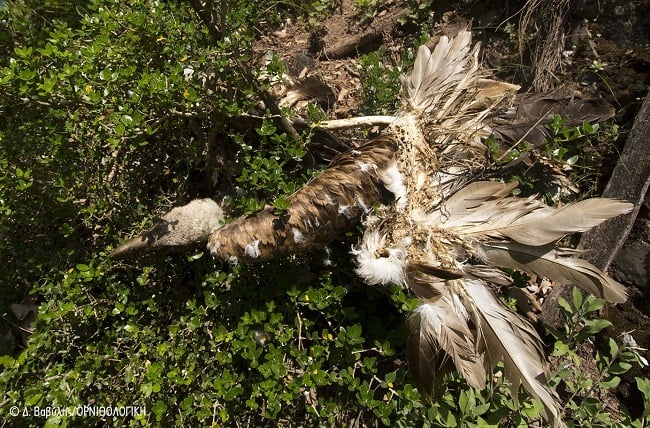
[356, 121]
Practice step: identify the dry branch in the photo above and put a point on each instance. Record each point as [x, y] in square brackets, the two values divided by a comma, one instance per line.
[350, 45]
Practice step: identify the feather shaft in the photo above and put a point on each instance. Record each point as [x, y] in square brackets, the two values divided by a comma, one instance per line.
[509, 338]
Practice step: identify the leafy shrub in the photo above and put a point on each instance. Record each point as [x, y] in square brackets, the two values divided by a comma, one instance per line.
[574, 152]
[105, 109]
[585, 388]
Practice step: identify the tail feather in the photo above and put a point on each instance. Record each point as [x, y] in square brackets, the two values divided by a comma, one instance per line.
[511, 339]
[441, 324]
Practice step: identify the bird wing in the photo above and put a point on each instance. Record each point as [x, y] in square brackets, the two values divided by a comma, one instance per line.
[324, 207]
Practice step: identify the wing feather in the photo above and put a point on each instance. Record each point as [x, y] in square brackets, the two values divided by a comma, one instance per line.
[536, 224]
[510, 338]
[440, 323]
[436, 73]
[558, 264]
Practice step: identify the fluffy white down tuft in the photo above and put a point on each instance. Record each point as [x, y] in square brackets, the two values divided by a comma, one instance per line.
[377, 269]
[252, 250]
[394, 183]
[298, 237]
[432, 317]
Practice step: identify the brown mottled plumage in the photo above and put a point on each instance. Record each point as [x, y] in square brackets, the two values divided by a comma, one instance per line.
[325, 207]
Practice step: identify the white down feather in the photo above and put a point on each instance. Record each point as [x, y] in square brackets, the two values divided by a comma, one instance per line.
[378, 264]
[393, 180]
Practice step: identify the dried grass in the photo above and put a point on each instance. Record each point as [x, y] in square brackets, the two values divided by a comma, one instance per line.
[546, 20]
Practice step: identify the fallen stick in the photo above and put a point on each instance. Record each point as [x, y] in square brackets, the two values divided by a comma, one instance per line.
[349, 46]
[356, 121]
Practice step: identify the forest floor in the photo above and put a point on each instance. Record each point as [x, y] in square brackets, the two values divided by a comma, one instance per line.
[605, 52]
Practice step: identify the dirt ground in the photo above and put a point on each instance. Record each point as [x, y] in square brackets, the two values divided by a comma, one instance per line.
[605, 50]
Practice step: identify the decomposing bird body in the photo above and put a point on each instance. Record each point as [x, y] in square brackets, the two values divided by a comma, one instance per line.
[444, 235]
[326, 206]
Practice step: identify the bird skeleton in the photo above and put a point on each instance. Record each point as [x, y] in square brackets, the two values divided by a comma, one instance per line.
[443, 235]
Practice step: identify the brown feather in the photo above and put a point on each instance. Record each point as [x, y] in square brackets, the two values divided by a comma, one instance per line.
[507, 337]
[435, 271]
[527, 121]
[326, 206]
[437, 328]
[557, 264]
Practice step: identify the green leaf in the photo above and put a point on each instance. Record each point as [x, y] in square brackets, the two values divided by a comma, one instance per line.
[7, 360]
[266, 129]
[447, 417]
[592, 327]
[593, 304]
[613, 347]
[609, 382]
[480, 410]
[619, 367]
[281, 205]
[390, 377]
[565, 306]
[643, 384]
[159, 409]
[560, 348]
[577, 297]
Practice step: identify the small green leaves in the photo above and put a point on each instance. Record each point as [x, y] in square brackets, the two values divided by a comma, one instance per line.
[281, 205]
[578, 316]
[380, 82]
[579, 382]
[266, 129]
[573, 152]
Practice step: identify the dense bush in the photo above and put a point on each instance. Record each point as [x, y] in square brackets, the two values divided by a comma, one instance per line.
[109, 112]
